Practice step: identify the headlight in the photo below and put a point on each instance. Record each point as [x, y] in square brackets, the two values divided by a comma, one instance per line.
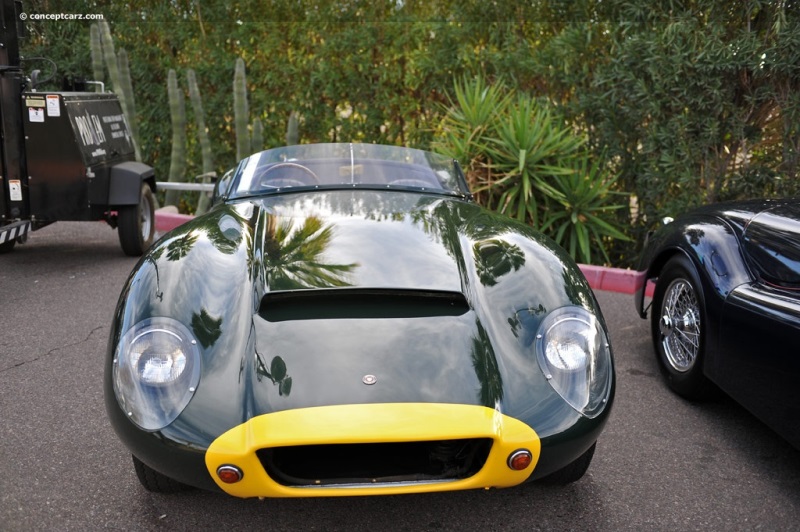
[156, 371]
[572, 350]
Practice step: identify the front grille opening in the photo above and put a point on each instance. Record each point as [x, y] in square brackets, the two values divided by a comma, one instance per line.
[375, 463]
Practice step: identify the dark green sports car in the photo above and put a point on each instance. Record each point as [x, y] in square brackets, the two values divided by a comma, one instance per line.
[347, 321]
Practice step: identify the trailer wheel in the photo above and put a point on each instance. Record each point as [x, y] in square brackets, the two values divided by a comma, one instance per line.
[137, 226]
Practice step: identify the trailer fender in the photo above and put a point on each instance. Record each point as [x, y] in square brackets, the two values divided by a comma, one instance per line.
[126, 180]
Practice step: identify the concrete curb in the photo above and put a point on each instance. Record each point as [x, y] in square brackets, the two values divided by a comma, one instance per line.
[600, 278]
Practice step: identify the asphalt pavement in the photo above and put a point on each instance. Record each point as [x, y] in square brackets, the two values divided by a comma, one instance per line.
[661, 464]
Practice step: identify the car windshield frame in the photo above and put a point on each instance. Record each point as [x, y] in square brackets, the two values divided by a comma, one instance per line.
[347, 166]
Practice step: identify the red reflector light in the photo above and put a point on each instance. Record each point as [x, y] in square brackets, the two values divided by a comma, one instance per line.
[520, 459]
[229, 474]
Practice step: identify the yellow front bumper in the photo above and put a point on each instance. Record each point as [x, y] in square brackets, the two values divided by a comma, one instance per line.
[371, 423]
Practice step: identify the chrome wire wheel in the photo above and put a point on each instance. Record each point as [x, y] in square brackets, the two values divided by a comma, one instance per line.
[679, 325]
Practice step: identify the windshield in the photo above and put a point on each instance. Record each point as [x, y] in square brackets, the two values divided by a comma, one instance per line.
[324, 166]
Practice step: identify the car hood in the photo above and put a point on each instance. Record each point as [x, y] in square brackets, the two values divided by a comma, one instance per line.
[351, 240]
[350, 297]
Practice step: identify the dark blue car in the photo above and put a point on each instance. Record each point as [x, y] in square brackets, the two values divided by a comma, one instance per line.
[726, 307]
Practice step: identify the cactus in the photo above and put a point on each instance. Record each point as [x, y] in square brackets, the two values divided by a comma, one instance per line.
[292, 130]
[177, 111]
[126, 87]
[241, 114]
[258, 136]
[202, 137]
[110, 57]
[98, 69]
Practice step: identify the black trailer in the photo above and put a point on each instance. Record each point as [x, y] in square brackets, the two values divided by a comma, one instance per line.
[66, 156]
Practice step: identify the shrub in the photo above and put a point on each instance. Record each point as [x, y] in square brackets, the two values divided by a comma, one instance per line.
[521, 158]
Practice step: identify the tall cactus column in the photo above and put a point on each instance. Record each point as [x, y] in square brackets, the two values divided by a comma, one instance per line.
[241, 113]
[110, 57]
[257, 143]
[202, 136]
[177, 111]
[96, 46]
[292, 130]
[126, 87]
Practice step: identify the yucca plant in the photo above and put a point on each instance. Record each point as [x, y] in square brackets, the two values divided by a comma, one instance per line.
[467, 121]
[578, 217]
[522, 159]
[528, 148]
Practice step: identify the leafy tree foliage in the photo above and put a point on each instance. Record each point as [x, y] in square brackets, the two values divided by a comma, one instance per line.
[694, 101]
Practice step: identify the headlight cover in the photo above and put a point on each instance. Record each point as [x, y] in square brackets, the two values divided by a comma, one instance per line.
[573, 352]
[156, 371]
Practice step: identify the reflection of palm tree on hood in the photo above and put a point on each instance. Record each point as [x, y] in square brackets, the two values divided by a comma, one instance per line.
[293, 258]
[206, 328]
[486, 369]
[495, 258]
[181, 246]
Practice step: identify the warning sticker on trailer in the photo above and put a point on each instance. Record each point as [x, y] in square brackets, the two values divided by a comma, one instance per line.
[36, 114]
[53, 107]
[15, 189]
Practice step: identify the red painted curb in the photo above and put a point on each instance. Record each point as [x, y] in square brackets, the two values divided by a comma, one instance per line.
[615, 279]
[167, 221]
[600, 278]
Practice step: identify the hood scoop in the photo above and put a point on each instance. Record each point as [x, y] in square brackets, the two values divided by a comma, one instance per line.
[360, 303]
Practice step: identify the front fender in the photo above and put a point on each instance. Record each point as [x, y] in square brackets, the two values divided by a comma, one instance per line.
[709, 242]
[202, 275]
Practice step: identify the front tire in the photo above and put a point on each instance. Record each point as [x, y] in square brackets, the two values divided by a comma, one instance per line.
[137, 224]
[154, 481]
[679, 328]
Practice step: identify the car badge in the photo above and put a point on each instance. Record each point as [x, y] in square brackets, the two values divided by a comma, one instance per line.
[369, 379]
